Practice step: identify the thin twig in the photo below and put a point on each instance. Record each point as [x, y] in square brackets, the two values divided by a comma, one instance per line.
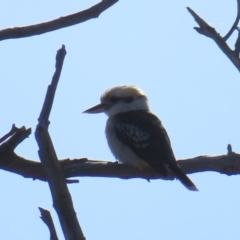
[47, 219]
[229, 149]
[237, 44]
[9, 134]
[234, 26]
[62, 22]
[68, 181]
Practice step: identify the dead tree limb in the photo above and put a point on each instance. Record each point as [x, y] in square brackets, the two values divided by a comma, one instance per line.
[47, 219]
[235, 24]
[208, 31]
[62, 22]
[228, 164]
[62, 200]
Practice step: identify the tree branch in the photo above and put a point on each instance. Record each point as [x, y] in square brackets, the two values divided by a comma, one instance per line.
[9, 134]
[9, 161]
[62, 22]
[234, 26]
[48, 102]
[47, 219]
[208, 31]
[62, 200]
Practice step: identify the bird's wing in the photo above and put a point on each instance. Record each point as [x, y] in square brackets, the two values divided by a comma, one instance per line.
[144, 134]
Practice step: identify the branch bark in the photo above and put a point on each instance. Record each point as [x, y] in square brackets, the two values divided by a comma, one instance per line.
[62, 22]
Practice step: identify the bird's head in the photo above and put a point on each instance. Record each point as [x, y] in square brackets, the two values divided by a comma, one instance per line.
[120, 99]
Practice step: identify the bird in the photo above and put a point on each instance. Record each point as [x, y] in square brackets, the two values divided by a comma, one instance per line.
[135, 135]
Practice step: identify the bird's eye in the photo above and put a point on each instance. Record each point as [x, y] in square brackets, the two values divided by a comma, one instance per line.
[128, 99]
[113, 99]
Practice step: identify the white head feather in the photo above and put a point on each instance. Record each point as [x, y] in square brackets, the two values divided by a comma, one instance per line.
[123, 99]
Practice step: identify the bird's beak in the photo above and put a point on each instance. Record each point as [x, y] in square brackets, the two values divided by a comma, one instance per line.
[97, 109]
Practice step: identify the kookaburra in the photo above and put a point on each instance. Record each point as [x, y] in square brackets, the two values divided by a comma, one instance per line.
[135, 135]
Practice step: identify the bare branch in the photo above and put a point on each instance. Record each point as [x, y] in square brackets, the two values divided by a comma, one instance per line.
[237, 44]
[18, 135]
[210, 32]
[234, 26]
[47, 219]
[62, 200]
[9, 161]
[62, 22]
[225, 164]
[47, 105]
[9, 134]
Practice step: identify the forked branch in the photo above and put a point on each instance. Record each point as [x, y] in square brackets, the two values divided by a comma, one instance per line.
[205, 29]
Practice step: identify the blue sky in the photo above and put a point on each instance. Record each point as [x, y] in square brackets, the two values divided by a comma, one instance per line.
[191, 85]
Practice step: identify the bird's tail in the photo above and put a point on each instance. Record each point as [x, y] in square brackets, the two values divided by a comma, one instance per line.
[183, 178]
